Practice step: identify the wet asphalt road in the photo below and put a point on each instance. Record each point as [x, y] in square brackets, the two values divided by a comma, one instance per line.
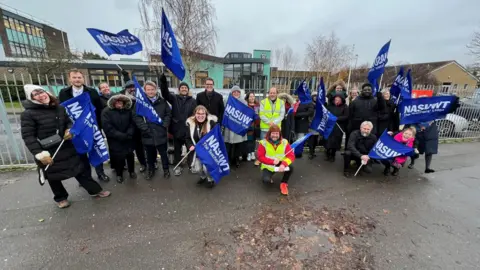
[423, 221]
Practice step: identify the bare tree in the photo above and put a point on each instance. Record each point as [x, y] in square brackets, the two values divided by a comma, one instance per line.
[192, 21]
[327, 55]
[474, 47]
[287, 62]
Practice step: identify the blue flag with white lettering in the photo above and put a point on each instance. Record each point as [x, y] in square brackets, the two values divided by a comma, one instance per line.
[171, 56]
[323, 121]
[121, 43]
[417, 110]
[407, 86]
[75, 108]
[299, 143]
[82, 130]
[212, 152]
[237, 117]
[387, 148]
[143, 107]
[303, 93]
[321, 92]
[378, 66]
[397, 85]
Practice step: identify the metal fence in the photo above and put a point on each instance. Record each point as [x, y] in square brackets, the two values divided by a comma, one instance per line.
[465, 123]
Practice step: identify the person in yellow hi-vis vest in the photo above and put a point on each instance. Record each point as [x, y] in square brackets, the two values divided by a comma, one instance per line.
[276, 155]
[272, 112]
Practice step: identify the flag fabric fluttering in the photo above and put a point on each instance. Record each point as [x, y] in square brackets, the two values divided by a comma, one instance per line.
[301, 140]
[171, 56]
[75, 108]
[397, 85]
[407, 86]
[303, 93]
[323, 121]
[237, 117]
[321, 92]
[418, 110]
[121, 43]
[378, 67]
[143, 107]
[387, 148]
[212, 152]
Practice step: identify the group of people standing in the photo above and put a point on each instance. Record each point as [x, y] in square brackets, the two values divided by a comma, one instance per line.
[361, 118]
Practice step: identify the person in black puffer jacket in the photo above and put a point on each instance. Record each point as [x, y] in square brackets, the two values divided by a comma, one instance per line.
[119, 128]
[183, 105]
[44, 117]
[154, 136]
[304, 112]
[359, 145]
[365, 108]
[339, 108]
[388, 118]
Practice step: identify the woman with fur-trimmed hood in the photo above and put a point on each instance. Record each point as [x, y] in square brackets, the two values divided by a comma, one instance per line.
[118, 125]
[288, 122]
[337, 88]
[199, 124]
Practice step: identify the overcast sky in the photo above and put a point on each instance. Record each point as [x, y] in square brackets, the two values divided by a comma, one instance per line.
[421, 30]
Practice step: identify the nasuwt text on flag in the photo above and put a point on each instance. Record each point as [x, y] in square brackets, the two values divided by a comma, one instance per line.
[212, 152]
[378, 66]
[171, 56]
[417, 110]
[323, 121]
[143, 107]
[121, 43]
[388, 148]
[237, 117]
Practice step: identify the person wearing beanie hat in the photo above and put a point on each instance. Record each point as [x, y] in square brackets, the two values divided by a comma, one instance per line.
[43, 118]
[365, 107]
[183, 105]
[276, 155]
[235, 143]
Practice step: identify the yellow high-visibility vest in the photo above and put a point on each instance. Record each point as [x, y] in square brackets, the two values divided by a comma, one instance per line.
[269, 112]
[273, 153]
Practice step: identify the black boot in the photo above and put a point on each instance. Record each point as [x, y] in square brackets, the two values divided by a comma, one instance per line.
[210, 183]
[142, 168]
[120, 179]
[150, 175]
[202, 180]
[395, 171]
[428, 170]
[166, 173]
[133, 175]
[386, 171]
[103, 177]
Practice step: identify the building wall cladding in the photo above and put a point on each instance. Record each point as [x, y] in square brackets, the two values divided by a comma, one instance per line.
[54, 39]
[3, 36]
[455, 75]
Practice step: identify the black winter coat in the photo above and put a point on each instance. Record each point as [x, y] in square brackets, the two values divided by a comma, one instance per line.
[66, 94]
[388, 118]
[214, 104]
[182, 108]
[154, 134]
[42, 121]
[104, 100]
[365, 109]
[119, 127]
[334, 141]
[428, 139]
[302, 116]
[359, 145]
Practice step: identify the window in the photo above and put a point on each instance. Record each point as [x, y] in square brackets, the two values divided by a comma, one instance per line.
[455, 86]
[246, 69]
[446, 87]
[254, 67]
[113, 79]
[228, 67]
[465, 86]
[260, 68]
[200, 77]
[6, 22]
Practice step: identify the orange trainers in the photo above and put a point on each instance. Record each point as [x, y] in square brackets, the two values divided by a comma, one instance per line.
[284, 189]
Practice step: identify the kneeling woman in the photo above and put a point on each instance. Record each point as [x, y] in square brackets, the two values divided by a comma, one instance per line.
[406, 137]
[45, 120]
[117, 123]
[198, 125]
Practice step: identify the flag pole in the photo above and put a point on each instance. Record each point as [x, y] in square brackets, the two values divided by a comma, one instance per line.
[361, 165]
[340, 128]
[56, 152]
[381, 79]
[350, 70]
[182, 159]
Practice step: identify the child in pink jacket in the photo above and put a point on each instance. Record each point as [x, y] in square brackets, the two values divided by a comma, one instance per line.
[406, 137]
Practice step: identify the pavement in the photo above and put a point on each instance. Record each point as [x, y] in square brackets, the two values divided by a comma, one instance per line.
[413, 221]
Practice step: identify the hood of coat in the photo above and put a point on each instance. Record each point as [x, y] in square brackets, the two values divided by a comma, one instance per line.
[287, 98]
[191, 119]
[341, 96]
[339, 82]
[127, 102]
[29, 88]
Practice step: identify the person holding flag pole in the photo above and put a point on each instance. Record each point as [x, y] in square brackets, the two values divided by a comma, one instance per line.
[358, 146]
[338, 108]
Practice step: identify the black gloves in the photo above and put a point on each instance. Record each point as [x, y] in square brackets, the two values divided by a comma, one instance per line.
[163, 79]
[455, 105]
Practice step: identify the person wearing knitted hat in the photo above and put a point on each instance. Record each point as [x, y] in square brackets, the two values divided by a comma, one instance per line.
[183, 105]
[276, 155]
[235, 143]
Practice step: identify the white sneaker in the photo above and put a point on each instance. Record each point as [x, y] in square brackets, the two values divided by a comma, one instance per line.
[248, 157]
[253, 156]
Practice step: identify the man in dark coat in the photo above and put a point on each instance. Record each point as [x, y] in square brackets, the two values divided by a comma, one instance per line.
[359, 145]
[212, 100]
[304, 111]
[77, 88]
[44, 117]
[154, 136]
[339, 108]
[129, 91]
[365, 108]
[182, 107]
[388, 118]
[118, 126]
